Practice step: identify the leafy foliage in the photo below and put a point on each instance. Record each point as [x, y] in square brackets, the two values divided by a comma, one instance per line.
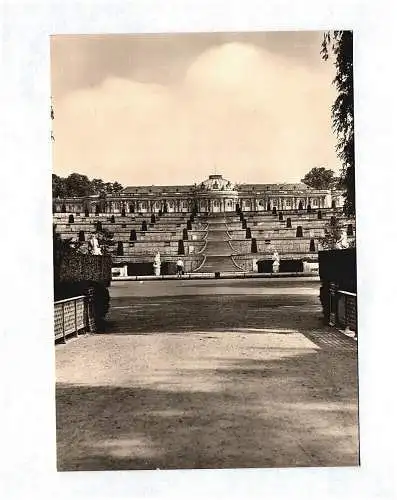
[333, 232]
[320, 178]
[340, 44]
[81, 186]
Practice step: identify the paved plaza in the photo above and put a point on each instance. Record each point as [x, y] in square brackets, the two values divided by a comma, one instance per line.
[208, 374]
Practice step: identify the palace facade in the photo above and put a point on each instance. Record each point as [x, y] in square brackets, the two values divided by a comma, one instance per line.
[214, 194]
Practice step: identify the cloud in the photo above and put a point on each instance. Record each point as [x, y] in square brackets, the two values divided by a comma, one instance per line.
[257, 116]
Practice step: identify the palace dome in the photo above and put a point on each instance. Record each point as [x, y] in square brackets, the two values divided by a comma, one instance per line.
[217, 183]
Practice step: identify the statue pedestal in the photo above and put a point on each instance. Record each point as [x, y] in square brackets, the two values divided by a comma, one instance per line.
[276, 267]
[157, 269]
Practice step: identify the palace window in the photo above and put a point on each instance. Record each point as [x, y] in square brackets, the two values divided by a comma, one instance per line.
[184, 204]
[216, 203]
[314, 202]
[288, 202]
[261, 203]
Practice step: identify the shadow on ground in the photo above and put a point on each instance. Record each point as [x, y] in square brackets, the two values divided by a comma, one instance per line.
[298, 410]
[134, 315]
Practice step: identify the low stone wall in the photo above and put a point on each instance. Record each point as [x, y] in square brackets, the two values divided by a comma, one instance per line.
[301, 245]
[191, 263]
[164, 247]
[282, 245]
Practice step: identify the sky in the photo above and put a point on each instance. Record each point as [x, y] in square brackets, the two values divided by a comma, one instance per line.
[175, 108]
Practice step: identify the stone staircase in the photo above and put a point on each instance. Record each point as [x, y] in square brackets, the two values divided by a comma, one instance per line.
[218, 251]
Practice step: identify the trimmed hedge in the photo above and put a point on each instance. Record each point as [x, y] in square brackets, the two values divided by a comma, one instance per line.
[144, 226]
[319, 215]
[312, 247]
[71, 219]
[153, 219]
[189, 225]
[274, 211]
[97, 291]
[140, 269]
[299, 232]
[185, 234]
[133, 235]
[181, 248]
[265, 266]
[112, 219]
[120, 249]
[339, 266]
[254, 246]
[248, 233]
[291, 266]
[289, 222]
[280, 216]
[123, 212]
[81, 236]
[72, 267]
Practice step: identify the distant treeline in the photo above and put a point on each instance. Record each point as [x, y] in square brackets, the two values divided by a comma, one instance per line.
[81, 185]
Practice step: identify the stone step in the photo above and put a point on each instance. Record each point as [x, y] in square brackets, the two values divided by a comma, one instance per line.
[215, 264]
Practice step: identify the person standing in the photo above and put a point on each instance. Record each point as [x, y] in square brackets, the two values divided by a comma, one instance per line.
[179, 267]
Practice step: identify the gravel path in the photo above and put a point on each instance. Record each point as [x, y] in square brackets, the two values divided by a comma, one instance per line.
[238, 374]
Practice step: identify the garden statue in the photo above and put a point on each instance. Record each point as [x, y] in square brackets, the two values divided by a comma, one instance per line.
[94, 247]
[276, 262]
[157, 264]
[343, 241]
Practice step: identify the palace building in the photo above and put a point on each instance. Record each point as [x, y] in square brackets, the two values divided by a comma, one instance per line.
[214, 227]
[213, 195]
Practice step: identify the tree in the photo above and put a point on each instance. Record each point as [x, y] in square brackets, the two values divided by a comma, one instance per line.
[117, 187]
[97, 186]
[319, 178]
[78, 185]
[81, 186]
[58, 186]
[108, 186]
[340, 43]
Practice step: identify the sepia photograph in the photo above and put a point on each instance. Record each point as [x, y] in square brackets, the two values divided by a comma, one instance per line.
[204, 250]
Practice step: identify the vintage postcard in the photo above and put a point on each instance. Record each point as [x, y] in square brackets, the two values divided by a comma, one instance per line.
[204, 233]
